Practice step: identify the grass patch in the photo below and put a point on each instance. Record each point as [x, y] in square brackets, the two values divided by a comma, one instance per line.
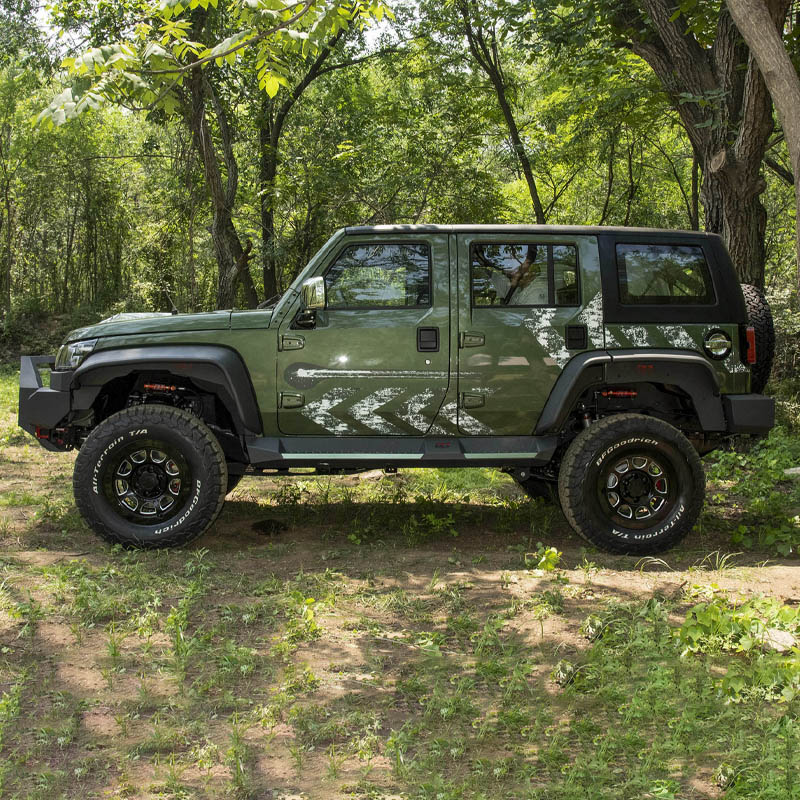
[432, 634]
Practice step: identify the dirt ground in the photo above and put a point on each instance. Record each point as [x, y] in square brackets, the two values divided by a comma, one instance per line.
[376, 637]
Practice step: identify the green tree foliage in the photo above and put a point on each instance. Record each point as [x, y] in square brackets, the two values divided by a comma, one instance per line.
[220, 191]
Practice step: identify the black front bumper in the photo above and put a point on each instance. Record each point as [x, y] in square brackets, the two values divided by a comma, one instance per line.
[41, 408]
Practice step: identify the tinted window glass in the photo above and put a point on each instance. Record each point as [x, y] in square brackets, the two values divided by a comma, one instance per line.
[380, 275]
[659, 274]
[525, 274]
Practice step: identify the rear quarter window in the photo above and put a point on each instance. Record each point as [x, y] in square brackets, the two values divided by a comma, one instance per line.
[663, 274]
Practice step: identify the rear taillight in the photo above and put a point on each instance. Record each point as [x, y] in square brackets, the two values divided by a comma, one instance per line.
[750, 338]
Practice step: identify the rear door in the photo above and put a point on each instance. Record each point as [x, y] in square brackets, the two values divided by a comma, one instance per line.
[376, 362]
[528, 303]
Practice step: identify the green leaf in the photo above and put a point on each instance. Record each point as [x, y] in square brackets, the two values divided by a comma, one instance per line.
[271, 84]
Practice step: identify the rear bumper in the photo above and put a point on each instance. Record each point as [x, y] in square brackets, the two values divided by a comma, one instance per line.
[749, 413]
[42, 408]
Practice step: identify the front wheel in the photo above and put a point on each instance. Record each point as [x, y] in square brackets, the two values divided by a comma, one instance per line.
[631, 484]
[150, 476]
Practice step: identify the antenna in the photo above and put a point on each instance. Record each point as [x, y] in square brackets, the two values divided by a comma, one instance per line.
[171, 302]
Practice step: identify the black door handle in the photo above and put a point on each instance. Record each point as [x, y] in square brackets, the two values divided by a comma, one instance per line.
[428, 340]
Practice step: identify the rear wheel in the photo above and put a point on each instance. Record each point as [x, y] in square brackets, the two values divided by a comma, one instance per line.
[631, 484]
[150, 476]
[759, 316]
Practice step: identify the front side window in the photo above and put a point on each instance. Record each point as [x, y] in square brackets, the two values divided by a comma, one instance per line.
[525, 274]
[658, 274]
[380, 276]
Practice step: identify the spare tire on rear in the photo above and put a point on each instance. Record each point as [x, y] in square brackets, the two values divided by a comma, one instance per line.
[759, 317]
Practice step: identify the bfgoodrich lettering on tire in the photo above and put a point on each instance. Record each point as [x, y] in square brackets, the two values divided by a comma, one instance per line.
[150, 476]
[631, 484]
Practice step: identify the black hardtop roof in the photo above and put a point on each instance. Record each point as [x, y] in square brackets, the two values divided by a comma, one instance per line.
[595, 230]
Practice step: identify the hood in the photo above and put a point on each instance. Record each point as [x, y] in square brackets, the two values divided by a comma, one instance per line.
[146, 323]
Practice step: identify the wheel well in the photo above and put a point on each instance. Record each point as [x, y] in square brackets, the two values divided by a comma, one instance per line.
[165, 388]
[668, 402]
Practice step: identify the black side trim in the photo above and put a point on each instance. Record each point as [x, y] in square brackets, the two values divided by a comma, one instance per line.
[581, 372]
[211, 368]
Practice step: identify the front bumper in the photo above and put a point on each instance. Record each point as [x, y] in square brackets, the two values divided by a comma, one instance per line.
[42, 409]
[749, 413]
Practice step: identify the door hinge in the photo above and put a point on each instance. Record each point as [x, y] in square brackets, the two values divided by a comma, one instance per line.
[290, 400]
[469, 339]
[292, 342]
[467, 400]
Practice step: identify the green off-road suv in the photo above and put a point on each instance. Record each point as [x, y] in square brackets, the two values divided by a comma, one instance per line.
[595, 365]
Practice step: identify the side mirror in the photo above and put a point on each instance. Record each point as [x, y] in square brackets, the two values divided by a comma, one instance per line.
[314, 293]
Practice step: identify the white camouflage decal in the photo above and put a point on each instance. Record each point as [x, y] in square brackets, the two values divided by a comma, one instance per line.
[541, 326]
[411, 411]
[732, 364]
[592, 318]
[319, 411]
[365, 411]
[318, 373]
[677, 336]
[459, 418]
[637, 335]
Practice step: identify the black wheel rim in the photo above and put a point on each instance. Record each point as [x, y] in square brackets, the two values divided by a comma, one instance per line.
[147, 481]
[638, 489]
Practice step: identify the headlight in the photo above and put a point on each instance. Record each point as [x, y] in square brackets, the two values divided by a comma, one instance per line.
[70, 355]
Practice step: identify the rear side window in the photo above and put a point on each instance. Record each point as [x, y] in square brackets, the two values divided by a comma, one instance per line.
[380, 276]
[662, 274]
[524, 274]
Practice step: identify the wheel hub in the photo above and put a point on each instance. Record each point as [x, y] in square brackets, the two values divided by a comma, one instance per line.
[147, 482]
[635, 488]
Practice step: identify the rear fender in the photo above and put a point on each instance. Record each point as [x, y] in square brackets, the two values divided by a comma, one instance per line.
[685, 369]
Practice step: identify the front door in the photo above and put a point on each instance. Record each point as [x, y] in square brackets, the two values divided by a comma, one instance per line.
[376, 361]
[528, 303]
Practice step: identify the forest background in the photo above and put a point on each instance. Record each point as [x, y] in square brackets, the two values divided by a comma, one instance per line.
[212, 186]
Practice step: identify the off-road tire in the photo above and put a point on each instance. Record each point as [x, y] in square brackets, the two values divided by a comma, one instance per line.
[151, 428]
[600, 449]
[759, 316]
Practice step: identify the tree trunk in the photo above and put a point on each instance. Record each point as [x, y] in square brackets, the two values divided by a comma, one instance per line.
[724, 105]
[486, 53]
[268, 172]
[755, 22]
[269, 138]
[9, 250]
[609, 183]
[231, 257]
[519, 149]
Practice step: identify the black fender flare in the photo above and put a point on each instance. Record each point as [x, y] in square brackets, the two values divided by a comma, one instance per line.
[216, 369]
[686, 369]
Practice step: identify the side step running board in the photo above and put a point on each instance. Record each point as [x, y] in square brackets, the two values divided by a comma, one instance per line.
[380, 451]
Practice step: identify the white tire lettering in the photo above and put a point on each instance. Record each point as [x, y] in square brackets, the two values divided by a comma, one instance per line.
[99, 464]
